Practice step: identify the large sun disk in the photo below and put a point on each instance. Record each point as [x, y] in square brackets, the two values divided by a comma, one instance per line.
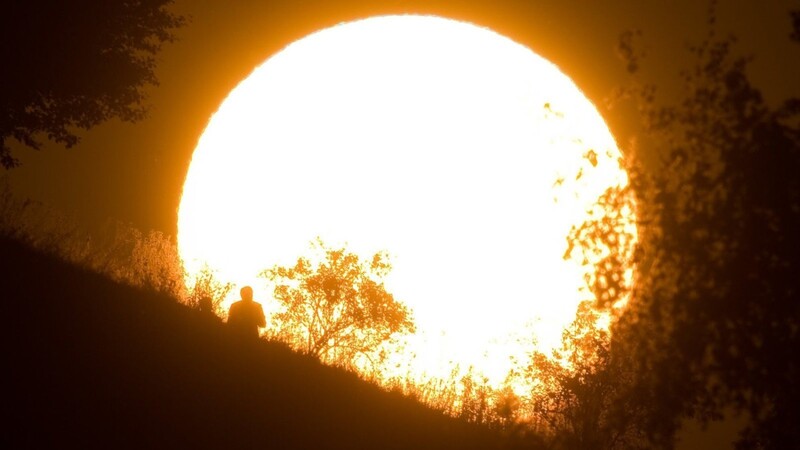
[456, 150]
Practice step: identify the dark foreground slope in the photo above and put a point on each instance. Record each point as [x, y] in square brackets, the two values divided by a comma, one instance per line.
[90, 363]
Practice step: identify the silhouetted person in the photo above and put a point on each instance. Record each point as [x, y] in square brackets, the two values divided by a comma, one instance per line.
[246, 316]
[206, 308]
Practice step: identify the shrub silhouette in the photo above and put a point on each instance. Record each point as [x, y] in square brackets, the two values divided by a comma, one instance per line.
[336, 308]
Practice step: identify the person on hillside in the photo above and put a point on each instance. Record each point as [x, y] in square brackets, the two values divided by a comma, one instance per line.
[205, 306]
[246, 316]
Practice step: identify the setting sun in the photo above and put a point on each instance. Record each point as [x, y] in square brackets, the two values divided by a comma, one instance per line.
[464, 155]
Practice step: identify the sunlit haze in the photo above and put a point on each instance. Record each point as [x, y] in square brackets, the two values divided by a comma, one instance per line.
[461, 153]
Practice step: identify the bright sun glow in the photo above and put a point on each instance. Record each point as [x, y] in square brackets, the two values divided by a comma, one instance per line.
[460, 152]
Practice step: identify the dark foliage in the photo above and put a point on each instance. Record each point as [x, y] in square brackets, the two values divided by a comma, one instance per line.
[94, 364]
[72, 65]
[714, 319]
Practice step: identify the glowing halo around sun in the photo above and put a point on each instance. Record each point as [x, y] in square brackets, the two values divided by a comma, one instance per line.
[460, 152]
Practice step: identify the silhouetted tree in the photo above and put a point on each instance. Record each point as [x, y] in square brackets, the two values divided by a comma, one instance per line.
[336, 307]
[72, 65]
[714, 319]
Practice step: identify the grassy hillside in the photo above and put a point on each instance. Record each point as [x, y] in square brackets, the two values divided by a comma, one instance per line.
[91, 363]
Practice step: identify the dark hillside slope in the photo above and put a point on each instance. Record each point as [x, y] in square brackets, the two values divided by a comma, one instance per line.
[90, 363]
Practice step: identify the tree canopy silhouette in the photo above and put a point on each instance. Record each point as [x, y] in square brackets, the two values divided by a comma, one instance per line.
[72, 65]
[336, 307]
[713, 319]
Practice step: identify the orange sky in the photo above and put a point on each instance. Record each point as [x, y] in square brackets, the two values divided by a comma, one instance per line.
[135, 172]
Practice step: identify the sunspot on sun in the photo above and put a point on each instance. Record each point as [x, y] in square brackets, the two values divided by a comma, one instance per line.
[464, 155]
